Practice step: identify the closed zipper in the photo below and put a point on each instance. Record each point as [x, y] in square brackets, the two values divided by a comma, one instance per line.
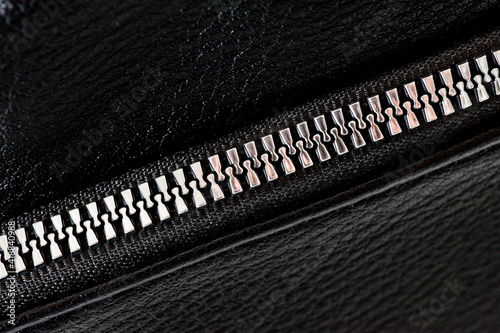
[236, 170]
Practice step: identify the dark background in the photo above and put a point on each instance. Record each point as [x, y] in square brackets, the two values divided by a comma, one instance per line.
[90, 89]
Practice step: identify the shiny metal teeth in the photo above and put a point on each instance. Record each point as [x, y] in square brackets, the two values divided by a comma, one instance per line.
[4, 246]
[320, 123]
[146, 193]
[410, 117]
[356, 137]
[447, 79]
[393, 98]
[94, 212]
[19, 261]
[36, 255]
[58, 225]
[304, 158]
[161, 183]
[198, 198]
[234, 159]
[321, 151]
[392, 123]
[180, 205]
[268, 144]
[375, 133]
[110, 204]
[215, 189]
[160, 199]
[109, 230]
[144, 217]
[129, 201]
[251, 151]
[21, 237]
[287, 140]
[269, 170]
[180, 179]
[3, 269]
[55, 250]
[463, 96]
[251, 176]
[198, 174]
[228, 173]
[127, 224]
[464, 70]
[90, 235]
[338, 118]
[355, 110]
[430, 87]
[233, 182]
[303, 131]
[217, 167]
[286, 162]
[482, 65]
[338, 143]
[73, 245]
[411, 92]
[496, 56]
[39, 229]
[162, 211]
[375, 106]
[428, 111]
[495, 72]
[446, 105]
[481, 92]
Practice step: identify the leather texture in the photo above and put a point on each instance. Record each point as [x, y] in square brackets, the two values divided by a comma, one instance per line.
[90, 89]
[418, 254]
[94, 94]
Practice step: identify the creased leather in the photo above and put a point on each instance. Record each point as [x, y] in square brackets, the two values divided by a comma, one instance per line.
[94, 88]
[372, 264]
[58, 88]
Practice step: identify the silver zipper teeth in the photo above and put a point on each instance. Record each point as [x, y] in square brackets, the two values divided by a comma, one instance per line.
[243, 168]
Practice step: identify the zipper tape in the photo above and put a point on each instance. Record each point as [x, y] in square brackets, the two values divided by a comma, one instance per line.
[239, 169]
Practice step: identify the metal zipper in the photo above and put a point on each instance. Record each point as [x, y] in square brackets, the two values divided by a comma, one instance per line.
[239, 169]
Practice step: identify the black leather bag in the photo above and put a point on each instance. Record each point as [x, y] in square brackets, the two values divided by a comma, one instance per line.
[251, 166]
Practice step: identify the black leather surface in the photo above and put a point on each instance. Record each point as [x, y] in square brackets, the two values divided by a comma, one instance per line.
[418, 254]
[204, 69]
[94, 88]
